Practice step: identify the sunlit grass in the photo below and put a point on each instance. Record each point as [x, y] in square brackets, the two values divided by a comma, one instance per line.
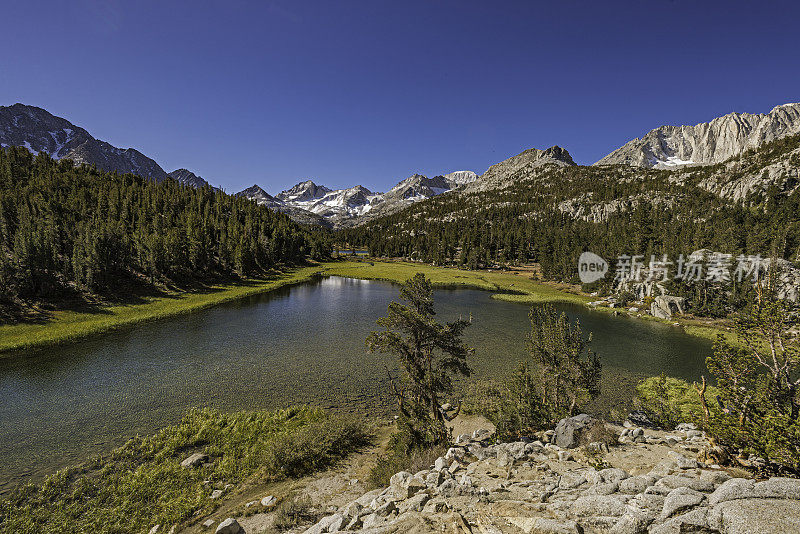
[509, 286]
[142, 484]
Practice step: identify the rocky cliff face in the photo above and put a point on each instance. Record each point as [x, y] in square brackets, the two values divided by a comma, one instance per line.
[709, 142]
[39, 131]
[503, 174]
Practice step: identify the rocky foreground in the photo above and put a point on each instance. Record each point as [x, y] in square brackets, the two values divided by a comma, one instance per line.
[648, 482]
[537, 487]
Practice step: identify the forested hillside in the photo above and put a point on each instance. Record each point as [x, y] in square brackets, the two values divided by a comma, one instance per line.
[68, 229]
[551, 214]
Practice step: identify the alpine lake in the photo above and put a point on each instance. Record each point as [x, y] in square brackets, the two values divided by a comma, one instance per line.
[303, 344]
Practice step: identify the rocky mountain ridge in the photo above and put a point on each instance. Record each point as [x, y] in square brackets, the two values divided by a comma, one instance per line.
[187, 177]
[40, 131]
[707, 143]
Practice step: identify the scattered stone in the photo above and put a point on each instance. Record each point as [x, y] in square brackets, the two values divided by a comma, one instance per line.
[216, 494]
[269, 501]
[694, 521]
[682, 461]
[229, 526]
[436, 506]
[337, 523]
[251, 503]
[639, 418]
[677, 481]
[463, 438]
[778, 488]
[155, 529]
[735, 488]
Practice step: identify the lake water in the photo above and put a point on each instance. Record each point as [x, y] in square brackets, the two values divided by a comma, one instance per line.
[302, 344]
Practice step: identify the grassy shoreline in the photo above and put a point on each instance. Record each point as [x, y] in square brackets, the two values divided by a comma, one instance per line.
[68, 326]
[142, 483]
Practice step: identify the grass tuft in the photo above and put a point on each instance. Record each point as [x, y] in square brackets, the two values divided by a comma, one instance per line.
[142, 484]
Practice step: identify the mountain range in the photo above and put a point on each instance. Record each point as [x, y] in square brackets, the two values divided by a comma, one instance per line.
[667, 147]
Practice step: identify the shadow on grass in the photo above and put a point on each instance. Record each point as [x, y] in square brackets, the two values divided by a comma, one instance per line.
[128, 292]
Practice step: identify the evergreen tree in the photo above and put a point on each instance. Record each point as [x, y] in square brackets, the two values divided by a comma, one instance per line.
[428, 352]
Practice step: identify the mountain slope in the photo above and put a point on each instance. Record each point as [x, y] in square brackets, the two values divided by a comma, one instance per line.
[709, 142]
[39, 131]
[550, 214]
[187, 177]
[499, 174]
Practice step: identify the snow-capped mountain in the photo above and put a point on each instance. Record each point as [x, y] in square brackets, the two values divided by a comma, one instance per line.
[343, 207]
[39, 131]
[261, 197]
[706, 143]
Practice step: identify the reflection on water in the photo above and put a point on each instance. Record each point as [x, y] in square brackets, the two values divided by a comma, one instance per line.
[303, 344]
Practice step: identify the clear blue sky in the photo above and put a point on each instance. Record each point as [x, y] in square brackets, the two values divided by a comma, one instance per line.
[348, 92]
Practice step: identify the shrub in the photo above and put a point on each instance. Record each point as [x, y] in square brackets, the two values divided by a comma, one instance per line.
[758, 381]
[669, 401]
[403, 454]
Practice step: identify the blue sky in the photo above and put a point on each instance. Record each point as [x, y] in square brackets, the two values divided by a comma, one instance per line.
[370, 92]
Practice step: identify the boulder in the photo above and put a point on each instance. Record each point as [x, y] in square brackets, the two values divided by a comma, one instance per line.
[613, 474]
[756, 516]
[679, 500]
[735, 488]
[405, 485]
[778, 488]
[682, 461]
[229, 526]
[414, 504]
[694, 521]
[598, 505]
[663, 306]
[481, 434]
[194, 460]
[632, 523]
[570, 430]
[543, 525]
[637, 484]
[269, 501]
